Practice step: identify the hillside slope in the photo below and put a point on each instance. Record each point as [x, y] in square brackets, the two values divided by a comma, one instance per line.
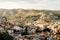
[22, 16]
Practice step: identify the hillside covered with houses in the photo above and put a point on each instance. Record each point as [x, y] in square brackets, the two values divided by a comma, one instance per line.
[29, 23]
[22, 16]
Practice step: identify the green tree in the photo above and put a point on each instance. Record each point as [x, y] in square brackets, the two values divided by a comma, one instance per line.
[6, 37]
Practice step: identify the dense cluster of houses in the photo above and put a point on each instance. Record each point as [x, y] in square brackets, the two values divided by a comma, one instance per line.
[36, 29]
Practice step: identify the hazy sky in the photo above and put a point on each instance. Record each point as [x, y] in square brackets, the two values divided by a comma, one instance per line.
[30, 4]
